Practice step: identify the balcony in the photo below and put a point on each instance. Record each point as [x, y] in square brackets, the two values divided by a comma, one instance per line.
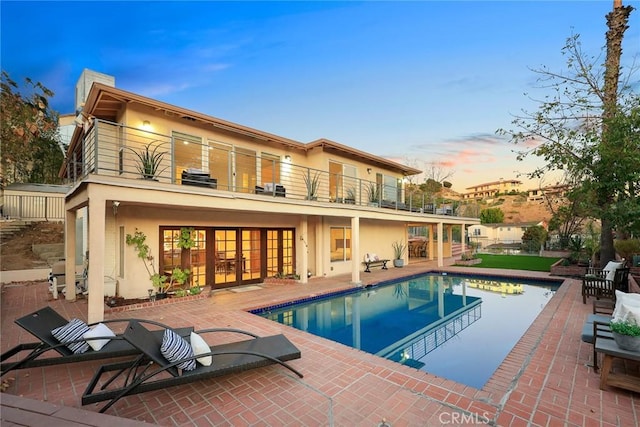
[111, 149]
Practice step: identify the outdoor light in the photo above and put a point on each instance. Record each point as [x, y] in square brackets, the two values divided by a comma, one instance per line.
[146, 125]
[369, 171]
[115, 205]
[287, 158]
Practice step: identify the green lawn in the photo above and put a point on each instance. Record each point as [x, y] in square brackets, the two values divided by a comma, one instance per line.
[516, 262]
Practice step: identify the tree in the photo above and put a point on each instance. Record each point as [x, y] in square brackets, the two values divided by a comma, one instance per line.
[568, 214]
[533, 238]
[578, 128]
[491, 216]
[29, 132]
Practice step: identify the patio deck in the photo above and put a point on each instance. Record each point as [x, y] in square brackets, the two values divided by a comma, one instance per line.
[546, 379]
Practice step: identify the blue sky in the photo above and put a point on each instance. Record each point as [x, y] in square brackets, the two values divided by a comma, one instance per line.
[416, 82]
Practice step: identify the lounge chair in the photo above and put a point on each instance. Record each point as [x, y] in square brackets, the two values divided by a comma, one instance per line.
[140, 376]
[41, 323]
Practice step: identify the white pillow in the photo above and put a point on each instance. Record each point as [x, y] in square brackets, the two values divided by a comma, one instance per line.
[200, 346]
[611, 268]
[100, 330]
[626, 303]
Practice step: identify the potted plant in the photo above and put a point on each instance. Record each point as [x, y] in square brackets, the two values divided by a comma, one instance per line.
[159, 281]
[399, 249]
[312, 183]
[373, 194]
[149, 160]
[626, 334]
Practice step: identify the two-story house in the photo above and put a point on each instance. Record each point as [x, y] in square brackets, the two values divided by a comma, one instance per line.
[491, 189]
[259, 204]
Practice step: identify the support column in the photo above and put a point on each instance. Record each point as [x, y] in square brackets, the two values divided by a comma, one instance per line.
[463, 237]
[440, 245]
[431, 234]
[304, 250]
[319, 245]
[70, 255]
[95, 282]
[355, 250]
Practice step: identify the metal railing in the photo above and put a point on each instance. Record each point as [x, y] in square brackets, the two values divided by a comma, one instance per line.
[117, 150]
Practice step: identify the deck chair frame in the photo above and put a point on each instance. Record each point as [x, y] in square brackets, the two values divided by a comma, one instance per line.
[41, 322]
[141, 375]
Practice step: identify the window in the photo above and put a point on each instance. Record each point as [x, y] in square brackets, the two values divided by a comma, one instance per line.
[219, 161]
[245, 170]
[269, 169]
[390, 188]
[342, 182]
[340, 243]
[188, 153]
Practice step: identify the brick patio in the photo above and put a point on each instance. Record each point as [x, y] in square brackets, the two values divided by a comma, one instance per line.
[546, 380]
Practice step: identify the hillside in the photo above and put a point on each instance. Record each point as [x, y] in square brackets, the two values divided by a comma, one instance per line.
[16, 253]
[518, 211]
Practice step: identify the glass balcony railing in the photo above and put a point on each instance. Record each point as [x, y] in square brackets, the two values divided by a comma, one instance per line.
[117, 150]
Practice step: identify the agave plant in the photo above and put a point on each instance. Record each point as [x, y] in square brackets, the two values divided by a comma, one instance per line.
[312, 183]
[149, 160]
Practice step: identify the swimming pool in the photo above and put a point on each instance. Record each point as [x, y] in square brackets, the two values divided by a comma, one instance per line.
[459, 327]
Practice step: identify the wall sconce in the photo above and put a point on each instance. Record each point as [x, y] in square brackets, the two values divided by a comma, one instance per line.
[287, 158]
[369, 171]
[115, 205]
[146, 125]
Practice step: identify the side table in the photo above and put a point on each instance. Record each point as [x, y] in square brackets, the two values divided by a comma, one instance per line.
[610, 350]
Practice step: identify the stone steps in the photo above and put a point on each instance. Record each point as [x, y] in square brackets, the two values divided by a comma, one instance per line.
[10, 227]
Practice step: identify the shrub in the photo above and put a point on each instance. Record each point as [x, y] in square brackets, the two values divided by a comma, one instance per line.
[627, 248]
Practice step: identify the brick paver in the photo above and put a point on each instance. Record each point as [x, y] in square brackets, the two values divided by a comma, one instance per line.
[545, 380]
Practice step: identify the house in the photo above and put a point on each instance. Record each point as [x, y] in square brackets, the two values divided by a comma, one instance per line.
[556, 192]
[491, 189]
[484, 235]
[256, 204]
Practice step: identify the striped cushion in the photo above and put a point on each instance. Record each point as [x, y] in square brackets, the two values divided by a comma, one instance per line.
[174, 348]
[72, 331]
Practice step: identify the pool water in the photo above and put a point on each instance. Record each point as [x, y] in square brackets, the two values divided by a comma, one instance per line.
[455, 326]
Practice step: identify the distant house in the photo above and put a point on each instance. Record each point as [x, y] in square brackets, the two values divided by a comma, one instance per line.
[485, 235]
[550, 191]
[491, 189]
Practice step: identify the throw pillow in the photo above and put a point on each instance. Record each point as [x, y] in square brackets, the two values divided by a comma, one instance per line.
[611, 268]
[174, 348]
[100, 330]
[200, 346]
[626, 303]
[72, 331]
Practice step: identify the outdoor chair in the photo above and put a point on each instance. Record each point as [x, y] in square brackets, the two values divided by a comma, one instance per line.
[597, 326]
[50, 351]
[140, 376]
[602, 283]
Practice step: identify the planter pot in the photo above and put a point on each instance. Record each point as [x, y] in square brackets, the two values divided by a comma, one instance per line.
[161, 295]
[398, 263]
[627, 342]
